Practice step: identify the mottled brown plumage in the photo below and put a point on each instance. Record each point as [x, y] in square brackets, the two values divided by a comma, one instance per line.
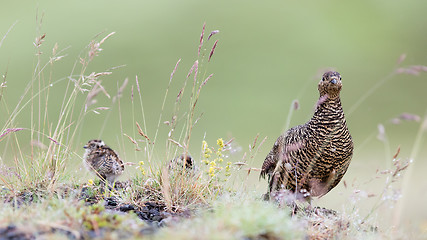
[103, 161]
[311, 159]
[178, 163]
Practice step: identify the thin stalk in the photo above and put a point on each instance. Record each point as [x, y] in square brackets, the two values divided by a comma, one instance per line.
[408, 175]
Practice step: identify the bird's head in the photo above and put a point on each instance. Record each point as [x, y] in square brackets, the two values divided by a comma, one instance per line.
[94, 144]
[330, 84]
[189, 164]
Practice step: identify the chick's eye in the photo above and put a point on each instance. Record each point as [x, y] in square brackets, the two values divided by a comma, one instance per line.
[323, 78]
[340, 78]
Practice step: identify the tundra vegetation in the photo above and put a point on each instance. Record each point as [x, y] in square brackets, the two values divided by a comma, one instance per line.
[160, 197]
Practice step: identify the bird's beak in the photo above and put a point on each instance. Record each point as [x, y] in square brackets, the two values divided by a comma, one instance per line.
[334, 81]
[85, 146]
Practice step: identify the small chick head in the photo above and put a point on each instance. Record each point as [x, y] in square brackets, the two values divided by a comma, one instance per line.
[94, 144]
[178, 163]
[188, 161]
[330, 84]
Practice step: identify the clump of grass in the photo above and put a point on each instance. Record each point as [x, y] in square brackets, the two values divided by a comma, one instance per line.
[52, 137]
[237, 217]
[180, 188]
[67, 217]
[173, 187]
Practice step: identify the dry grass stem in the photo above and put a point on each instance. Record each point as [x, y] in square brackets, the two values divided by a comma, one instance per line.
[195, 64]
[121, 89]
[412, 70]
[401, 59]
[174, 70]
[39, 40]
[141, 132]
[7, 33]
[10, 130]
[201, 39]
[53, 140]
[295, 104]
[213, 50]
[165, 187]
[206, 81]
[95, 47]
[131, 139]
[176, 143]
[212, 33]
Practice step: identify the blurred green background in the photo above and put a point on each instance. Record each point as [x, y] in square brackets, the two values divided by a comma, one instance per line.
[268, 54]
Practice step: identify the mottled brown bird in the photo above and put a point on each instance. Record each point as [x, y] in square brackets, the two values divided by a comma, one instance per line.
[183, 164]
[310, 159]
[103, 161]
[178, 163]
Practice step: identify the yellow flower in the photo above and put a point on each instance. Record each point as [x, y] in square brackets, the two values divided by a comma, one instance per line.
[141, 168]
[220, 159]
[205, 161]
[207, 153]
[90, 182]
[227, 169]
[211, 171]
[213, 164]
[220, 143]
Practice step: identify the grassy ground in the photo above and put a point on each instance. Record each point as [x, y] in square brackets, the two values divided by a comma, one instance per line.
[162, 199]
[143, 208]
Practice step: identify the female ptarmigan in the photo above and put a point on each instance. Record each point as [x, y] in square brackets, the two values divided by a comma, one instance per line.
[310, 159]
[103, 161]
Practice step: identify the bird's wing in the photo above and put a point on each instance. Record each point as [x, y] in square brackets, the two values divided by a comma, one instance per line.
[272, 158]
[115, 158]
[341, 170]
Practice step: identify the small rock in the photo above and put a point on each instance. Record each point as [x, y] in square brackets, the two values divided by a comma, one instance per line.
[111, 201]
[127, 207]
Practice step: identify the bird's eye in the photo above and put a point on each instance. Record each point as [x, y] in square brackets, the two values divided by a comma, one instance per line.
[340, 78]
[323, 78]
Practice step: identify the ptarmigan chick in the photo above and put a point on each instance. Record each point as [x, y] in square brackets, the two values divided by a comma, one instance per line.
[182, 163]
[103, 161]
[310, 159]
